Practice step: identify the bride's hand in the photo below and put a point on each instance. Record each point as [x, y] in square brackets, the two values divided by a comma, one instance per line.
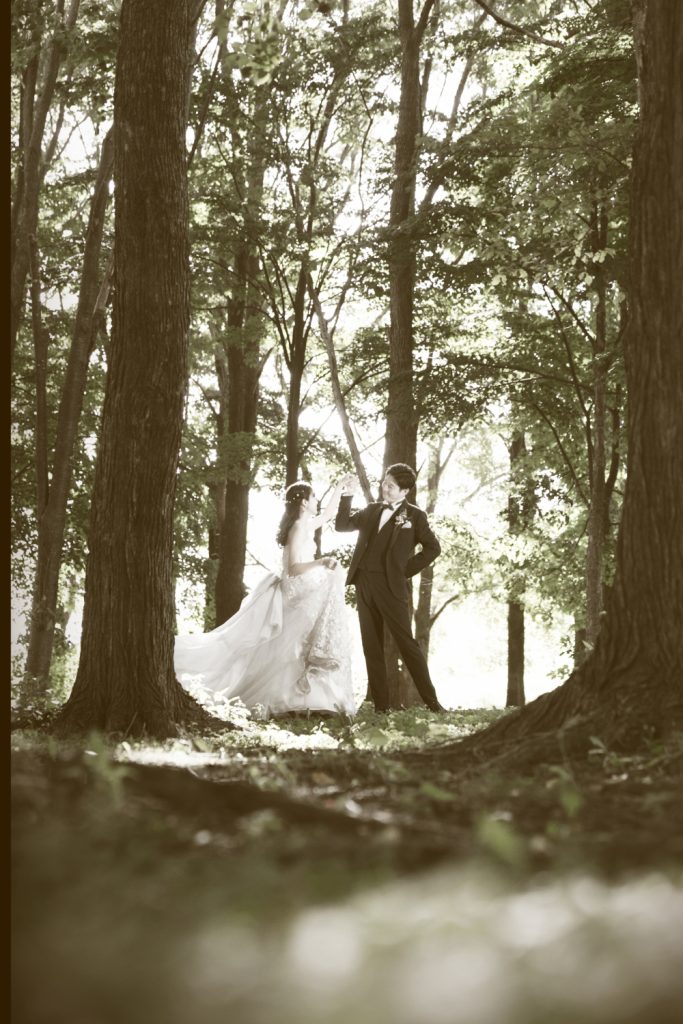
[349, 483]
[329, 562]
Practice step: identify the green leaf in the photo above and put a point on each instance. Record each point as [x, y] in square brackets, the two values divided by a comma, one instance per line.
[501, 839]
[428, 789]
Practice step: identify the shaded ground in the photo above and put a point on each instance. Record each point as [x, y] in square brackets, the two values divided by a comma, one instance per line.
[311, 871]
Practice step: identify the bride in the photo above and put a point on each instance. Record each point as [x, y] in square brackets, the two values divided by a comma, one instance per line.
[287, 648]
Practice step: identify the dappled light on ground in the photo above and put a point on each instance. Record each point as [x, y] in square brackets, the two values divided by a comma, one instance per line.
[399, 730]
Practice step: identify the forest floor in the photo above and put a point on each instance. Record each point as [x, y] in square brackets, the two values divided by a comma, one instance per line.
[311, 870]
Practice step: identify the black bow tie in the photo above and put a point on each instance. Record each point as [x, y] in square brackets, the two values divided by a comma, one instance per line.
[387, 504]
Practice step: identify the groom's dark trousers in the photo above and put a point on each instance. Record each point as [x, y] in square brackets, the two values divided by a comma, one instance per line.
[381, 565]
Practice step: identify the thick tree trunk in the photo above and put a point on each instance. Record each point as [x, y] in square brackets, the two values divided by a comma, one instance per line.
[52, 515]
[630, 689]
[125, 681]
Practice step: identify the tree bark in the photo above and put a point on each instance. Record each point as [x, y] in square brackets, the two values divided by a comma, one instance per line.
[401, 429]
[125, 681]
[300, 329]
[40, 348]
[629, 690]
[401, 435]
[517, 516]
[217, 495]
[515, 696]
[244, 368]
[52, 513]
[579, 654]
[598, 491]
[423, 611]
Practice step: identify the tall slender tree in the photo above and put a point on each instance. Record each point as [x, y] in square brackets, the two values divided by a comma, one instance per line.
[401, 435]
[52, 510]
[38, 85]
[239, 365]
[517, 514]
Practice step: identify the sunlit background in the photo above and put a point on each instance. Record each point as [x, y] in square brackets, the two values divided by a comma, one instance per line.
[468, 648]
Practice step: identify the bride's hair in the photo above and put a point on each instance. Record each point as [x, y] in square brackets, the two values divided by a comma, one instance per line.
[294, 495]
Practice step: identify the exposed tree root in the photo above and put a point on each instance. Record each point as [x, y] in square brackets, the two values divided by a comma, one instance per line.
[147, 720]
[616, 708]
[186, 792]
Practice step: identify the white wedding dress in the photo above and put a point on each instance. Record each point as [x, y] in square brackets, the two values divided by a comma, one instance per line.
[286, 649]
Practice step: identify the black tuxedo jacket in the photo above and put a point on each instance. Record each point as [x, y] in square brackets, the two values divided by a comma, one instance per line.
[401, 560]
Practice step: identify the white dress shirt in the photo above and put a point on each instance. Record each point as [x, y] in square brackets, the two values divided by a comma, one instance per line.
[387, 513]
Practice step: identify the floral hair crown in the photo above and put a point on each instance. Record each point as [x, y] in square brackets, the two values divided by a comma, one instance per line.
[290, 497]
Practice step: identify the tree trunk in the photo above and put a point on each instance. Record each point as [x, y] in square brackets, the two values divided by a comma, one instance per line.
[629, 689]
[40, 348]
[598, 494]
[296, 372]
[243, 374]
[423, 611]
[35, 109]
[401, 436]
[579, 654]
[515, 689]
[52, 516]
[401, 431]
[518, 511]
[125, 681]
[244, 368]
[217, 495]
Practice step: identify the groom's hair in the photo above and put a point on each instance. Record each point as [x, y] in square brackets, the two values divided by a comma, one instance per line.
[404, 475]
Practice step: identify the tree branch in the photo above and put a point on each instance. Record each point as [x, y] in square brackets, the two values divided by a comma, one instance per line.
[519, 29]
[546, 419]
[437, 613]
[337, 391]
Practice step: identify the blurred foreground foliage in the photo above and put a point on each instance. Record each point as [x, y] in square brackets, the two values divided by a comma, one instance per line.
[315, 870]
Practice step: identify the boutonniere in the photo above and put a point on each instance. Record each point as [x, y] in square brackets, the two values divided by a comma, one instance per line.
[402, 520]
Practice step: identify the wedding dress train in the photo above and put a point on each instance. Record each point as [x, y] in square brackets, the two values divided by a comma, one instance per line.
[286, 649]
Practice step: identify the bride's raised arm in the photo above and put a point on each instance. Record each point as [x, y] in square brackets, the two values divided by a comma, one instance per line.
[347, 483]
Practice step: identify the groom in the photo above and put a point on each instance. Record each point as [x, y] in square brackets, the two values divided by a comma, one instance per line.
[382, 563]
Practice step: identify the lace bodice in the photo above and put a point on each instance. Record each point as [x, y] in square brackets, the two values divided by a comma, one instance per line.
[303, 552]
